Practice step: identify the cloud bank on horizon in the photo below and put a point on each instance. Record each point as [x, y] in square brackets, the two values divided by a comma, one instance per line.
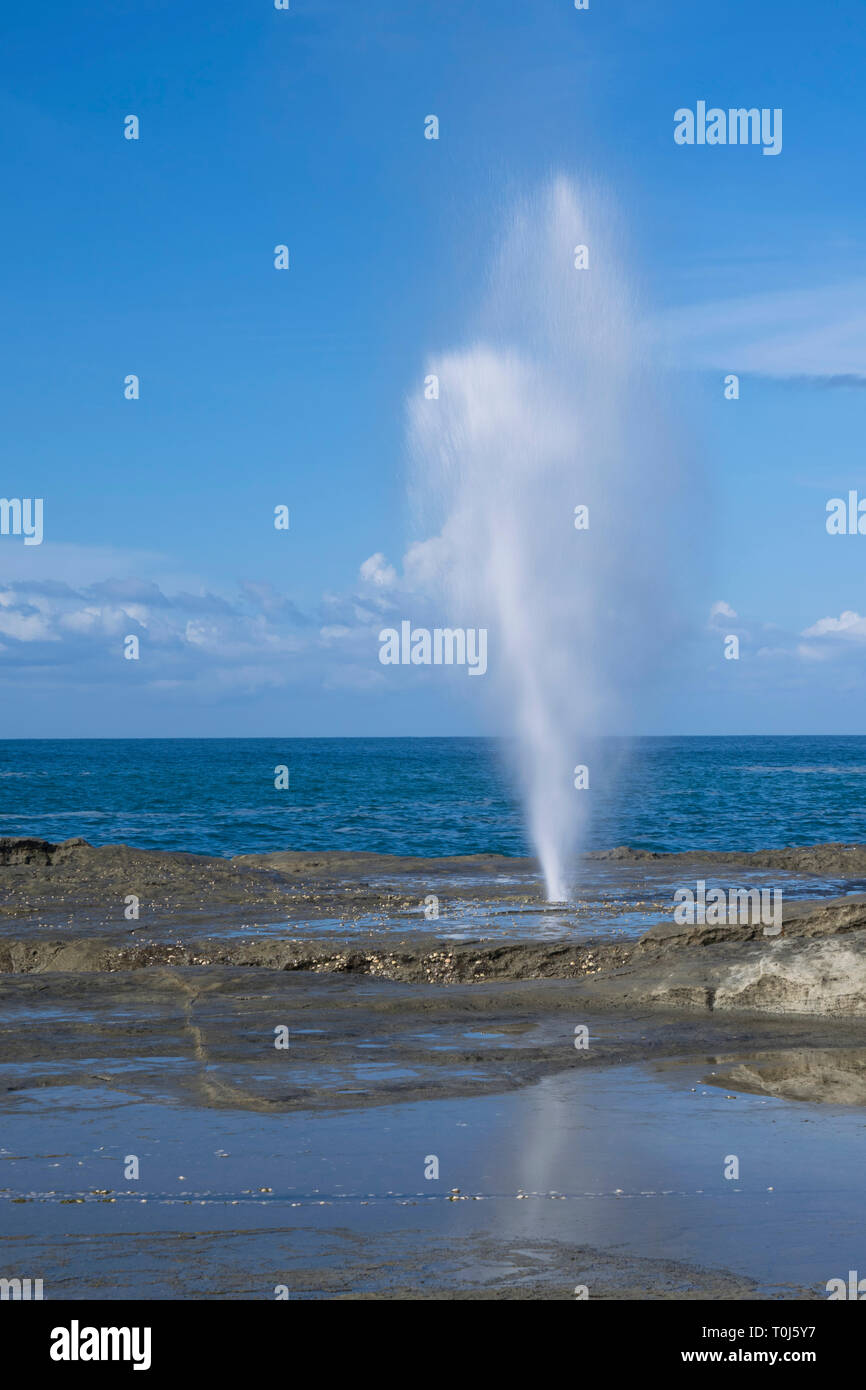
[197, 640]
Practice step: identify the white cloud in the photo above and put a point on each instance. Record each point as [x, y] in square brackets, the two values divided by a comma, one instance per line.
[195, 640]
[721, 609]
[818, 333]
[26, 627]
[807, 652]
[849, 623]
[376, 570]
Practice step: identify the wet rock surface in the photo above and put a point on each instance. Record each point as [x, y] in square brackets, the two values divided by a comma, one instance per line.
[63, 908]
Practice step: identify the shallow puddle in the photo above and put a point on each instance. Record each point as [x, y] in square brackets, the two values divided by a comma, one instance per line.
[605, 1168]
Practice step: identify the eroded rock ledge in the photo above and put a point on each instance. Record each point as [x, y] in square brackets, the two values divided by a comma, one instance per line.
[817, 965]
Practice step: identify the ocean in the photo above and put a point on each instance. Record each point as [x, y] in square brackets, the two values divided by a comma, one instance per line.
[426, 796]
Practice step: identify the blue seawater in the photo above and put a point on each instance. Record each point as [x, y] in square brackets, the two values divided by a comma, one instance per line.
[425, 796]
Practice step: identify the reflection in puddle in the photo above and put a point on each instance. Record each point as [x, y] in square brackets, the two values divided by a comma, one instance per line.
[616, 1173]
[834, 1076]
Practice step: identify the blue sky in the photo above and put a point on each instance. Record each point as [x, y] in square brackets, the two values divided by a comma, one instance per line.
[305, 127]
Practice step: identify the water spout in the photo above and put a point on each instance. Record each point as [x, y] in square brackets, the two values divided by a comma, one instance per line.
[548, 410]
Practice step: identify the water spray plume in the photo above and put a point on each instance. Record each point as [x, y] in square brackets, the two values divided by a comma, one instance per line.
[550, 409]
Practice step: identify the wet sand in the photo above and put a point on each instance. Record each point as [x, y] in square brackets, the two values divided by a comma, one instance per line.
[411, 1037]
